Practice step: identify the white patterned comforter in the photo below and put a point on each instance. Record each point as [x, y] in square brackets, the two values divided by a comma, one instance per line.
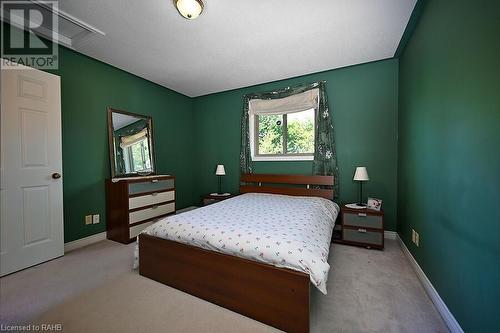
[284, 231]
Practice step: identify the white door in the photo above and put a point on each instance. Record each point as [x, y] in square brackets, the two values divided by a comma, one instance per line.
[31, 224]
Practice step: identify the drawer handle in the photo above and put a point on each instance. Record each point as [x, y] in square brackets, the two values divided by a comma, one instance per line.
[362, 214]
[154, 181]
[154, 207]
[362, 230]
[154, 194]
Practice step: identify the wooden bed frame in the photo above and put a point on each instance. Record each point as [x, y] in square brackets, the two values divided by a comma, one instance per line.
[275, 296]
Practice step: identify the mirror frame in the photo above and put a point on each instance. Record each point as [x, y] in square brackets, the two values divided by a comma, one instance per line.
[112, 156]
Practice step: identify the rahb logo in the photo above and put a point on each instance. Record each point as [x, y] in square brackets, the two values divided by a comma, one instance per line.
[28, 31]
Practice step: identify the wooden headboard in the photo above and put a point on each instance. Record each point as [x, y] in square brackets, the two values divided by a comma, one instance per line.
[296, 185]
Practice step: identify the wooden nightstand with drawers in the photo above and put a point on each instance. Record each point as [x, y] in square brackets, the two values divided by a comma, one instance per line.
[361, 227]
[211, 199]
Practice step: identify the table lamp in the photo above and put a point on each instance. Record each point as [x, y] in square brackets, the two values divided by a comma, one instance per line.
[361, 175]
[220, 171]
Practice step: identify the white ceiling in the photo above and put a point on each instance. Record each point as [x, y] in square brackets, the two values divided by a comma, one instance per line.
[237, 43]
[121, 120]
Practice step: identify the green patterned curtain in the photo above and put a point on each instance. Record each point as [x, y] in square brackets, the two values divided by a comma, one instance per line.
[325, 157]
[245, 154]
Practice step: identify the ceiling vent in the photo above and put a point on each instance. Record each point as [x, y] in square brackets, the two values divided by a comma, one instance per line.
[66, 29]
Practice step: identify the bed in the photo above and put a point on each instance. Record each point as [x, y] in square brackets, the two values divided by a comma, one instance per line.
[255, 254]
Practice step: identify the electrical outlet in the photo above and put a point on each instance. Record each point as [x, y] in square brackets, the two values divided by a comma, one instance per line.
[417, 239]
[95, 218]
[88, 219]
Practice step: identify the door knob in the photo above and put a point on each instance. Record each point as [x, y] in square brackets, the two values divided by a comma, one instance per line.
[56, 175]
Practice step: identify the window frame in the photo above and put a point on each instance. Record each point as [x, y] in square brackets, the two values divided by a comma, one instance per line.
[284, 156]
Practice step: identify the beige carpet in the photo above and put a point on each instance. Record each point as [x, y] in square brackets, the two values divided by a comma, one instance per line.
[133, 303]
[96, 291]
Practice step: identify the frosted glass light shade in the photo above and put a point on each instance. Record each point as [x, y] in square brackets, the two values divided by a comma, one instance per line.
[220, 171]
[189, 9]
[361, 174]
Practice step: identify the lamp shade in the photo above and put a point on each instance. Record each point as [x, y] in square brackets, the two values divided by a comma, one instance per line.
[361, 174]
[220, 170]
[189, 9]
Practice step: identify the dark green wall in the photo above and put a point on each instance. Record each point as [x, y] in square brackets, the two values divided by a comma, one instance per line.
[364, 103]
[87, 88]
[449, 155]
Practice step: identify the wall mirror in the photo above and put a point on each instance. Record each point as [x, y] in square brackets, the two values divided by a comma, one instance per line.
[130, 144]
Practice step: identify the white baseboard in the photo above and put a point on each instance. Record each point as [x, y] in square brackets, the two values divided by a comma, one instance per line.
[390, 234]
[441, 307]
[76, 244]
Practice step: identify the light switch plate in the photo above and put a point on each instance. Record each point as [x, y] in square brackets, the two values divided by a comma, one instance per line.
[88, 219]
[417, 239]
[95, 218]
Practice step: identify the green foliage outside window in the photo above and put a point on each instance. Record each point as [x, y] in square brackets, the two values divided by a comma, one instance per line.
[271, 134]
[140, 156]
[299, 133]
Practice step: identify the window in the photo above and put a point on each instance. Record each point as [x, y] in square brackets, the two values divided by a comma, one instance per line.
[283, 136]
[136, 152]
[138, 156]
[283, 128]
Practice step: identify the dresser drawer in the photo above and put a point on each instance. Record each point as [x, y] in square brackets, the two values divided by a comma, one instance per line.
[150, 199]
[154, 185]
[364, 236]
[363, 220]
[149, 213]
[136, 230]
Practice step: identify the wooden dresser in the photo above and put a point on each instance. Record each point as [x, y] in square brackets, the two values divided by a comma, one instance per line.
[135, 203]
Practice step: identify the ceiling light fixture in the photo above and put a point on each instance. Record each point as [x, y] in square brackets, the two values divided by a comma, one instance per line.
[189, 9]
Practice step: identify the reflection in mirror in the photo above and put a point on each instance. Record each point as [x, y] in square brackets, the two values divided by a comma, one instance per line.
[131, 144]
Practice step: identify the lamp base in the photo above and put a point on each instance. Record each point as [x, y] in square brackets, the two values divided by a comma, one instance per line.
[220, 194]
[355, 206]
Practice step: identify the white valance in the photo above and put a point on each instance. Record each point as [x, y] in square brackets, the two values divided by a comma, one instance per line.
[295, 103]
[126, 141]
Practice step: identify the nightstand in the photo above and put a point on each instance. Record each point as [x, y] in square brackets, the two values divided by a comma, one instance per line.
[210, 199]
[361, 227]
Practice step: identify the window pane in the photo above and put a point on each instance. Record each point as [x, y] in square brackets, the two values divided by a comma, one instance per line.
[137, 156]
[140, 156]
[270, 134]
[300, 128]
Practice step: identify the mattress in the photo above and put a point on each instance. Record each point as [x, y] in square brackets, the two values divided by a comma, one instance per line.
[284, 231]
